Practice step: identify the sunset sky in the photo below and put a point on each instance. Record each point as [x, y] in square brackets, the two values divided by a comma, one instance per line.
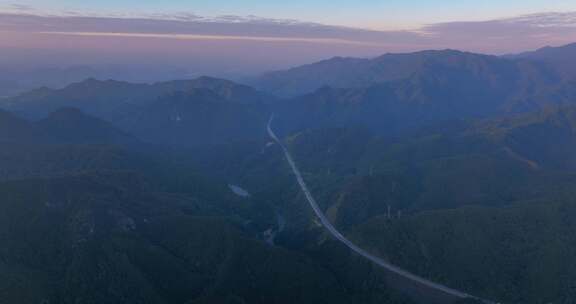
[247, 36]
[374, 14]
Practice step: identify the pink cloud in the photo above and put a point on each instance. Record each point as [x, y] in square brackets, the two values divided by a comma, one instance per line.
[254, 44]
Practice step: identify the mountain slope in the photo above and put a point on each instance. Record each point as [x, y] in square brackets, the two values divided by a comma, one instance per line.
[70, 125]
[545, 139]
[118, 101]
[200, 117]
[13, 128]
[357, 174]
[106, 239]
[343, 73]
[67, 141]
[560, 57]
[523, 253]
[360, 73]
[449, 86]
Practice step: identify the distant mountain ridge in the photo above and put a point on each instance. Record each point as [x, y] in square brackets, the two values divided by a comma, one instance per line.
[201, 111]
[449, 85]
[388, 94]
[118, 100]
[64, 126]
[341, 72]
[561, 57]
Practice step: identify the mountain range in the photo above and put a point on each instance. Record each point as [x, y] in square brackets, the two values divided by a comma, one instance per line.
[341, 72]
[447, 86]
[455, 166]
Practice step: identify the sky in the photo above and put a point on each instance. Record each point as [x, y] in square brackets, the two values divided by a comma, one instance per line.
[373, 14]
[246, 37]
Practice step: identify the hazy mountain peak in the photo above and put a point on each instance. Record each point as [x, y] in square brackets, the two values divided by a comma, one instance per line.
[345, 72]
[561, 57]
[71, 125]
[7, 118]
[14, 128]
[93, 83]
[119, 101]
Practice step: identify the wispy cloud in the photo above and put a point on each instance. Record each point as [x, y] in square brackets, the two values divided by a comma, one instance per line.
[183, 24]
[192, 27]
[545, 20]
[508, 35]
[545, 28]
[261, 43]
[20, 7]
[215, 37]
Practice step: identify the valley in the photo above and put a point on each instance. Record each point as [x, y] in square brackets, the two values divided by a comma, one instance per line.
[427, 177]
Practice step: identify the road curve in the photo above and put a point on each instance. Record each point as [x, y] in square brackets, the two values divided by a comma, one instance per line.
[376, 260]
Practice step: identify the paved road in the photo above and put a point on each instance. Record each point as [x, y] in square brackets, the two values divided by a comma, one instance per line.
[328, 225]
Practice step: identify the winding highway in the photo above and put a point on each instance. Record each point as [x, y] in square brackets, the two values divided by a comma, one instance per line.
[376, 260]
